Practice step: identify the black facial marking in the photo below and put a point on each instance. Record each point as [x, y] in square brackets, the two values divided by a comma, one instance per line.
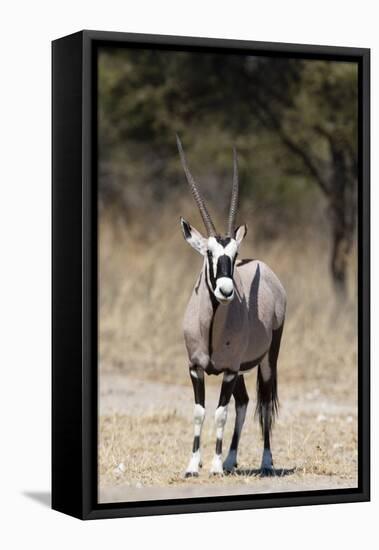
[211, 274]
[223, 240]
[224, 267]
[234, 260]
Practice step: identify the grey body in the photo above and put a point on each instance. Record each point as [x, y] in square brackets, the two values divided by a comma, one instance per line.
[233, 323]
[238, 333]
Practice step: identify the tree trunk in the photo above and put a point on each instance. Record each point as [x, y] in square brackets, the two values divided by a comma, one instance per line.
[341, 247]
[337, 179]
[343, 206]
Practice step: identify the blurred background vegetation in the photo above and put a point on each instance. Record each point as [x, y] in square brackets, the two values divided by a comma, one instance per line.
[293, 121]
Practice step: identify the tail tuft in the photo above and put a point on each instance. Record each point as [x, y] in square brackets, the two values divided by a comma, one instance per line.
[267, 391]
[267, 399]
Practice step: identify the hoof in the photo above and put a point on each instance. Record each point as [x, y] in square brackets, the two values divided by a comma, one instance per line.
[216, 474]
[230, 463]
[191, 474]
[267, 472]
[216, 467]
[229, 468]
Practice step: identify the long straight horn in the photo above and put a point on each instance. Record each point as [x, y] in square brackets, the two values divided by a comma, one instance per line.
[195, 192]
[234, 199]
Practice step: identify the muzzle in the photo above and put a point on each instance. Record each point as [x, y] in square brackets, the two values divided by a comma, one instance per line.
[224, 290]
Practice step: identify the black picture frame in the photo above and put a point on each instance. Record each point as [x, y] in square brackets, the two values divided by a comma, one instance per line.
[74, 274]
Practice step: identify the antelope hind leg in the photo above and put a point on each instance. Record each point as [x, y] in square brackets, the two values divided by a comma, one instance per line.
[267, 394]
[241, 400]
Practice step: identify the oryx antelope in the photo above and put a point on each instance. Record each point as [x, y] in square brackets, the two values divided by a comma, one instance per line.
[233, 323]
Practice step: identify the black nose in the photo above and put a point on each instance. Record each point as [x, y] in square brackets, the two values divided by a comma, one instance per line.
[226, 294]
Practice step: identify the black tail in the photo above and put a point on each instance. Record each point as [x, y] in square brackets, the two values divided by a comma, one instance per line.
[267, 392]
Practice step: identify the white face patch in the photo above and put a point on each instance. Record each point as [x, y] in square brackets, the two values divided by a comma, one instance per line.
[218, 250]
[231, 249]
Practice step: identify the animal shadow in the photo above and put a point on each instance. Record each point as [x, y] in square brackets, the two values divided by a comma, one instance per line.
[258, 472]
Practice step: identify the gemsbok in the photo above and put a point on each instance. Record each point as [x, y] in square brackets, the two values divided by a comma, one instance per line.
[233, 323]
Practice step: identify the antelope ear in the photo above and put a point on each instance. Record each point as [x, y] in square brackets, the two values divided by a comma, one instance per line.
[240, 233]
[194, 237]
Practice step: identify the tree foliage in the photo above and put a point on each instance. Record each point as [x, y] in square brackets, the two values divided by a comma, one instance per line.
[294, 122]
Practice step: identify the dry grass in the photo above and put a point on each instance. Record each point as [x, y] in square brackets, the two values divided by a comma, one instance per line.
[144, 286]
[153, 449]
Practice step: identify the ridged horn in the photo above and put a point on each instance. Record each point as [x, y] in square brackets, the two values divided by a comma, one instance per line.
[234, 198]
[209, 226]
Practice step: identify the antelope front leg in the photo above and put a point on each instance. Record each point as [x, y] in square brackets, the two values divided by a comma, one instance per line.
[227, 387]
[197, 378]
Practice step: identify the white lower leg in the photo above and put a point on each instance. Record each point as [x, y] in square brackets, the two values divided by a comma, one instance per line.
[220, 421]
[195, 460]
[194, 463]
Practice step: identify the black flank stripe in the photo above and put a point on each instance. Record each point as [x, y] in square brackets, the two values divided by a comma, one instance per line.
[245, 261]
[251, 364]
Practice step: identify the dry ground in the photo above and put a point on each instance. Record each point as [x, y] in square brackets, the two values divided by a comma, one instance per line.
[314, 441]
[145, 422]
